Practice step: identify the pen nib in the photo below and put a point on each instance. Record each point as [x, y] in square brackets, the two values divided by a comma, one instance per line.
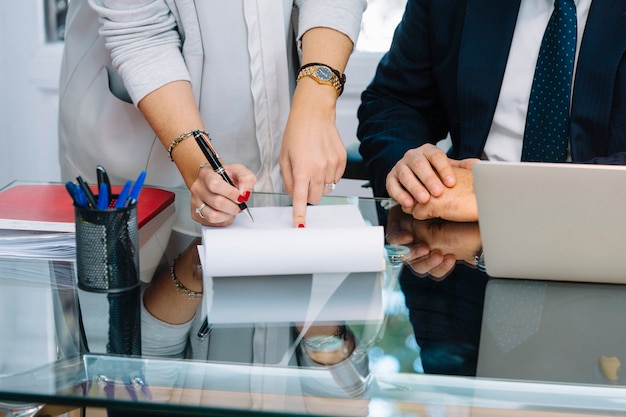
[247, 211]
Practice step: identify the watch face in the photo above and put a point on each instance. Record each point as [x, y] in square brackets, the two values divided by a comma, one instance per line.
[324, 73]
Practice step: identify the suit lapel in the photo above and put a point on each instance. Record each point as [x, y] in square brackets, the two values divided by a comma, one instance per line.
[487, 34]
[601, 51]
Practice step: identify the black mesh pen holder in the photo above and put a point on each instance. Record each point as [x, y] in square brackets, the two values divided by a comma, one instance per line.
[107, 261]
[107, 249]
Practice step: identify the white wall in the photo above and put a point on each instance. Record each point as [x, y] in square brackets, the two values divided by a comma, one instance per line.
[28, 88]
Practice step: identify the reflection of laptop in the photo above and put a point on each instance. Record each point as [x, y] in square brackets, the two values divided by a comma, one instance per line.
[552, 221]
[554, 331]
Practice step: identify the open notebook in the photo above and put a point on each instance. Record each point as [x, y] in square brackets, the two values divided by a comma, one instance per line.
[552, 221]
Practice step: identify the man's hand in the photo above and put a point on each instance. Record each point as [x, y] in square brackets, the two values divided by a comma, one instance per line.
[456, 204]
[428, 184]
[423, 173]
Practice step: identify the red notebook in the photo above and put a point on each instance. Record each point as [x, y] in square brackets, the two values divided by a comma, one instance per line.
[49, 207]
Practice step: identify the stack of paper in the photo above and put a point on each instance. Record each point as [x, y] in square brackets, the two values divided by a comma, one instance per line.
[37, 221]
[335, 239]
[271, 267]
[37, 245]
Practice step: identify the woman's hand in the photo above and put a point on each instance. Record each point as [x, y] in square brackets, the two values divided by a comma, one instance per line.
[214, 202]
[313, 156]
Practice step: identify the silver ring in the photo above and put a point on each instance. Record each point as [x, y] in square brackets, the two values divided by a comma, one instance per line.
[332, 185]
[199, 210]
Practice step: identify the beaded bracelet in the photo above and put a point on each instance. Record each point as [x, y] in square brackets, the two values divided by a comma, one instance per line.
[181, 138]
[179, 285]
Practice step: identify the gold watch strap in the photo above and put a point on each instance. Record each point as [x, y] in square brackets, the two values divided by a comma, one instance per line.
[323, 74]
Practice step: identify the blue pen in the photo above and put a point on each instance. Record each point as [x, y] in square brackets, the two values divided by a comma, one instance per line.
[123, 197]
[134, 193]
[76, 193]
[81, 198]
[103, 197]
[71, 189]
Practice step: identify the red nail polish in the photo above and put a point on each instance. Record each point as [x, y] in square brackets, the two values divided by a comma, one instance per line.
[243, 197]
[301, 226]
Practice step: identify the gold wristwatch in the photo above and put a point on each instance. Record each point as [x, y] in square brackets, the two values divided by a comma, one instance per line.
[323, 74]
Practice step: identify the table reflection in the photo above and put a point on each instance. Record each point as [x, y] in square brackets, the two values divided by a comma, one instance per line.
[307, 320]
[336, 344]
[468, 323]
[443, 289]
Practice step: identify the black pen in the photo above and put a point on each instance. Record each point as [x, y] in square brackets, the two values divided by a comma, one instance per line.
[204, 329]
[103, 178]
[216, 164]
[91, 199]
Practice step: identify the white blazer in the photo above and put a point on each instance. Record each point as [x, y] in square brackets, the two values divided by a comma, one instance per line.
[101, 82]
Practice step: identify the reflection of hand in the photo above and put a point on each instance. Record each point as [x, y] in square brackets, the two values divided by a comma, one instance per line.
[435, 245]
[219, 198]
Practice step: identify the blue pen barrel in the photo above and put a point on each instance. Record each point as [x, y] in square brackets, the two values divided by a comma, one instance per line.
[107, 260]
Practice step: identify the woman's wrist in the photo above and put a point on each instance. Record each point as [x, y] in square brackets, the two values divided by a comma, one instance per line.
[186, 273]
[180, 286]
[187, 156]
[164, 301]
[314, 96]
[329, 346]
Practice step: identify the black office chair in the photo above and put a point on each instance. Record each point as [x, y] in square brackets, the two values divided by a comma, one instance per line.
[355, 167]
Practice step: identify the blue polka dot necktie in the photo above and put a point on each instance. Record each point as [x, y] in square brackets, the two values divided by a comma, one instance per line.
[547, 122]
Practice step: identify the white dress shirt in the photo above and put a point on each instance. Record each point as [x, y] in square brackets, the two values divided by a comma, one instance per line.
[504, 142]
[243, 82]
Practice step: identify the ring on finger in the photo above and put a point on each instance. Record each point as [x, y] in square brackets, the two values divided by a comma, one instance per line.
[199, 210]
[331, 185]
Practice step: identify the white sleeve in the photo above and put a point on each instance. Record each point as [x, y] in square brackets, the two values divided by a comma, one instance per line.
[343, 16]
[144, 42]
[162, 339]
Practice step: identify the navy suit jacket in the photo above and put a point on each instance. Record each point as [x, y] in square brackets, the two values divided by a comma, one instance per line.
[443, 74]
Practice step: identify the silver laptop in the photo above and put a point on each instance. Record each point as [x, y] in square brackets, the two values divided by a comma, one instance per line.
[562, 222]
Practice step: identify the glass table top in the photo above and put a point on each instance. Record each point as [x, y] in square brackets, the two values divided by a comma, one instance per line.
[434, 334]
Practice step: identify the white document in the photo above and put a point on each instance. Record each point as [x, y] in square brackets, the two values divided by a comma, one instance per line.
[335, 239]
